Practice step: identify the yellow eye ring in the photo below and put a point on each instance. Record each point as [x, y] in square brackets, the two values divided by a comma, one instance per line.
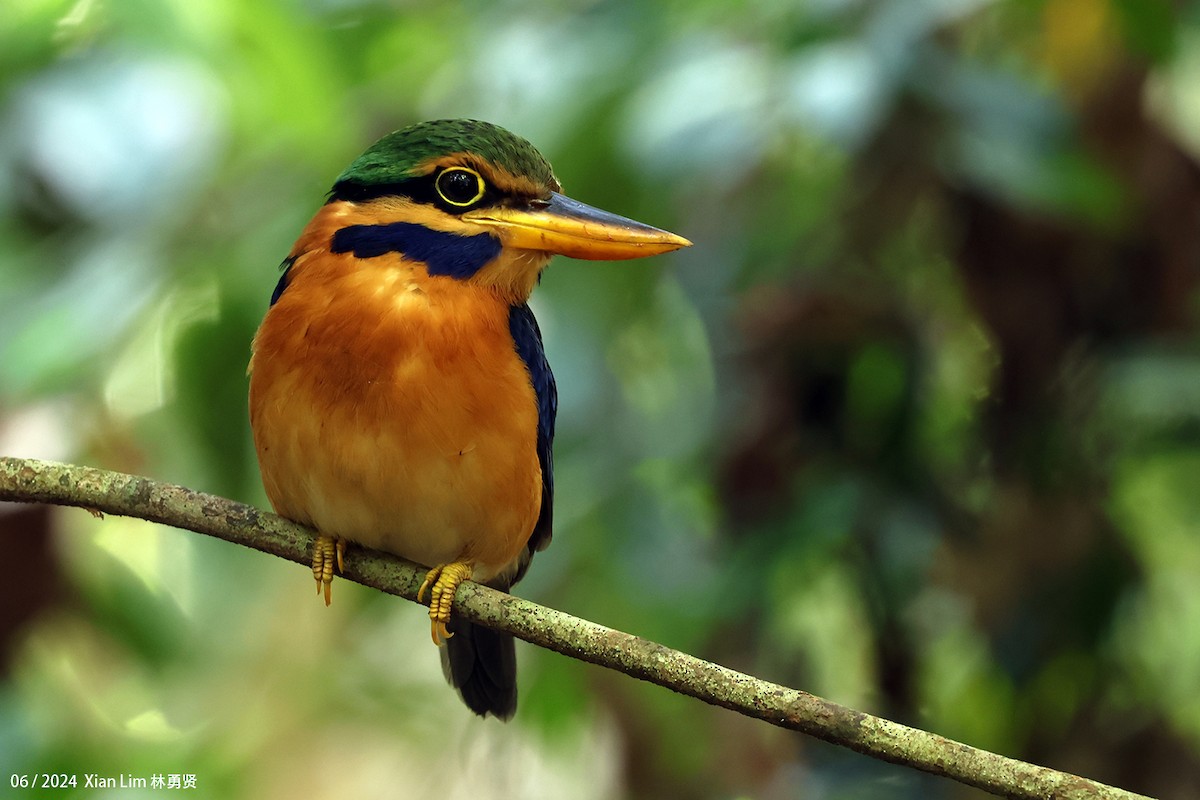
[460, 186]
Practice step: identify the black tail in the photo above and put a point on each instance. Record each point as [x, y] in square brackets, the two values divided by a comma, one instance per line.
[482, 664]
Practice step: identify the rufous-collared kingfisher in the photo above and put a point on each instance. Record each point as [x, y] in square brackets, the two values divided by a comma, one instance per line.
[399, 392]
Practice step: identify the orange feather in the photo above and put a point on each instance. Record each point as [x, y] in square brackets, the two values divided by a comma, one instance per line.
[390, 408]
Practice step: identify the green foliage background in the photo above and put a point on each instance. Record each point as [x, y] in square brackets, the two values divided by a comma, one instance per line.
[915, 425]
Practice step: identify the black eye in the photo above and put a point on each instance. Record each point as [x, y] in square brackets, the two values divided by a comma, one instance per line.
[459, 186]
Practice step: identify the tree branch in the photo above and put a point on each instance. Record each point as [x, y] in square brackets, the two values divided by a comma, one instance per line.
[31, 481]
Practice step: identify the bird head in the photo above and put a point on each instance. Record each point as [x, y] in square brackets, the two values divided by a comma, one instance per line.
[478, 203]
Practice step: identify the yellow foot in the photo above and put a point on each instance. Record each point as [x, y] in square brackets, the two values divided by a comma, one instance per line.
[327, 550]
[443, 581]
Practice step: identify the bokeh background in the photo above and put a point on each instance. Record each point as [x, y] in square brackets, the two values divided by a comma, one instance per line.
[914, 426]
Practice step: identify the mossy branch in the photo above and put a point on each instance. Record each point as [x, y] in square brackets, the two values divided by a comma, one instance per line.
[31, 481]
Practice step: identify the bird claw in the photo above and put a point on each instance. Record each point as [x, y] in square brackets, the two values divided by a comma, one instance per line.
[327, 551]
[442, 582]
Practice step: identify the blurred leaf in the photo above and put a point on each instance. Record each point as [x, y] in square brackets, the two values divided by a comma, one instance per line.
[1149, 26]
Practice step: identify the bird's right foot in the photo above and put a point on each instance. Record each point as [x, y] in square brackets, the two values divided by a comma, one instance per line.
[327, 551]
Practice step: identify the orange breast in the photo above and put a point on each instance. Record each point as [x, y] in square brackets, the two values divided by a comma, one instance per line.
[389, 407]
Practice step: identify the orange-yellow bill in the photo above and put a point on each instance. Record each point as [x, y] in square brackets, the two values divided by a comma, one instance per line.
[570, 228]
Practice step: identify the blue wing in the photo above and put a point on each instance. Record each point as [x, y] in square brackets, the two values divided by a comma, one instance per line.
[284, 279]
[482, 663]
[527, 339]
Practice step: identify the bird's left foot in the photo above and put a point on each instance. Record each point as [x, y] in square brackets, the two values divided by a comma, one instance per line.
[442, 582]
[327, 550]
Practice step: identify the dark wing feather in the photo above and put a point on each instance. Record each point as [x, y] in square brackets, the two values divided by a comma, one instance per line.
[528, 340]
[481, 663]
[284, 279]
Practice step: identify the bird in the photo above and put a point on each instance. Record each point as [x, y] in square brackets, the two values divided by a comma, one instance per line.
[400, 397]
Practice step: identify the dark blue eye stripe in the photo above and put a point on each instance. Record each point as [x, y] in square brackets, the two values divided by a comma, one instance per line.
[442, 253]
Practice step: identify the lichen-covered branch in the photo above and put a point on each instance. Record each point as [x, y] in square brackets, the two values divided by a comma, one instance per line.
[31, 481]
